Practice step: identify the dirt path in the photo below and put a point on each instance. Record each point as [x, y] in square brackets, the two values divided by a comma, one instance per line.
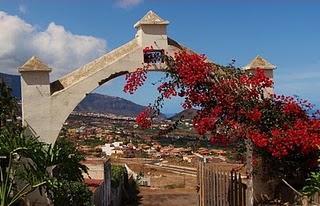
[167, 188]
[170, 197]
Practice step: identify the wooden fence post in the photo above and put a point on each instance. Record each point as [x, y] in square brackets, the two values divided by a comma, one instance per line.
[249, 169]
[107, 183]
[304, 201]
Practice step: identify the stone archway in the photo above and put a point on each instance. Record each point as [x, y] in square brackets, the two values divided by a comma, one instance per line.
[46, 105]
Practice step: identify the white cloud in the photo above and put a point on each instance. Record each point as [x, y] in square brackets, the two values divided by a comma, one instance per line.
[57, 47]
[128, 3]
[22, 9]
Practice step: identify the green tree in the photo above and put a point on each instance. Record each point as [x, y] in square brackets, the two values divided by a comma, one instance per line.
[13, 146]
[34, 164]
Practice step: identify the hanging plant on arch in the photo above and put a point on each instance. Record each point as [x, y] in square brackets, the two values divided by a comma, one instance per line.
[233, 105]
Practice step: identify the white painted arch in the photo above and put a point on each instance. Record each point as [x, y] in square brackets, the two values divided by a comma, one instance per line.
[46, 106]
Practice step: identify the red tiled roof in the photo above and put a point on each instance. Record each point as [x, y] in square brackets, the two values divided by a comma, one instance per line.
[93, 182]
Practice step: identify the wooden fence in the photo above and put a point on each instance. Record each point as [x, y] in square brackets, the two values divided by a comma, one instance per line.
[315, 199]
[219, 186]
[311, 201]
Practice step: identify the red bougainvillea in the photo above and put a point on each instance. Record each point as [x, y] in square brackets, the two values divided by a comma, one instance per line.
[235, 105]
[259, 139]
[144, 118]
[254, 115]
[136, 79]
[168, 90]
[191, 68]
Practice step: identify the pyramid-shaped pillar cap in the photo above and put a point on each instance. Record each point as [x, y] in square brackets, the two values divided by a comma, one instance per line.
[151, 18]
[259, 62]
[34, 64]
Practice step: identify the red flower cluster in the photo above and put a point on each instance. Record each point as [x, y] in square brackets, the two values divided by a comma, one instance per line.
[146, 49]
[254, 115]
[292, 108]
[191, 68]
[232, 106]
[205, 121]
[195, 98]
[204, 124]
[135, 79]
[144, 118]
[167, 90]
[259, 79]
[303, 136]
[260, 140]
[219, 139]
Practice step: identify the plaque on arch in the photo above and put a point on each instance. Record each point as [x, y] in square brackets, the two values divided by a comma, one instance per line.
[153, 56]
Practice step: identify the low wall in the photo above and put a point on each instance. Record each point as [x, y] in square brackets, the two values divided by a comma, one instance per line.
[143, 181]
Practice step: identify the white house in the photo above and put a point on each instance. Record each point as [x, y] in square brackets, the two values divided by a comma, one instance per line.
[113, 148]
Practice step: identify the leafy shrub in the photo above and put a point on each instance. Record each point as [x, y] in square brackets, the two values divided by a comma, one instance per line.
[70, 193]
[312, 184]
[69, 158]
[34, 161]
[118, 173]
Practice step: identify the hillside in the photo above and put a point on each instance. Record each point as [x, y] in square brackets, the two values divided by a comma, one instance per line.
[13, 81]
[185, 114]
[99, 103]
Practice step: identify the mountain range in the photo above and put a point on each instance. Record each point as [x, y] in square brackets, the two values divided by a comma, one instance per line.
[13, 81]
[101, 103]
[185, 114]
[96, 103]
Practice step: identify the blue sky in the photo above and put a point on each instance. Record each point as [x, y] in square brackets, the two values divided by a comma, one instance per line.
[286, 33]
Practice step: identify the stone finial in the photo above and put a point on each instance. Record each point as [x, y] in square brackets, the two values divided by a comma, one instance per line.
[259, 62]
[151, 18]
[34, 64]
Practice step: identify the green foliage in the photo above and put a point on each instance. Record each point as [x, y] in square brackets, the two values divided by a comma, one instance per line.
[312, 184]
[69, 158]
[93, 142]
[14, 148]
[52, 166]
[7, 181]
[71, 193]
[10, 128]
[8, 108]
[60, 166]
[55, 169]
[132, 191]
[118, 173]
